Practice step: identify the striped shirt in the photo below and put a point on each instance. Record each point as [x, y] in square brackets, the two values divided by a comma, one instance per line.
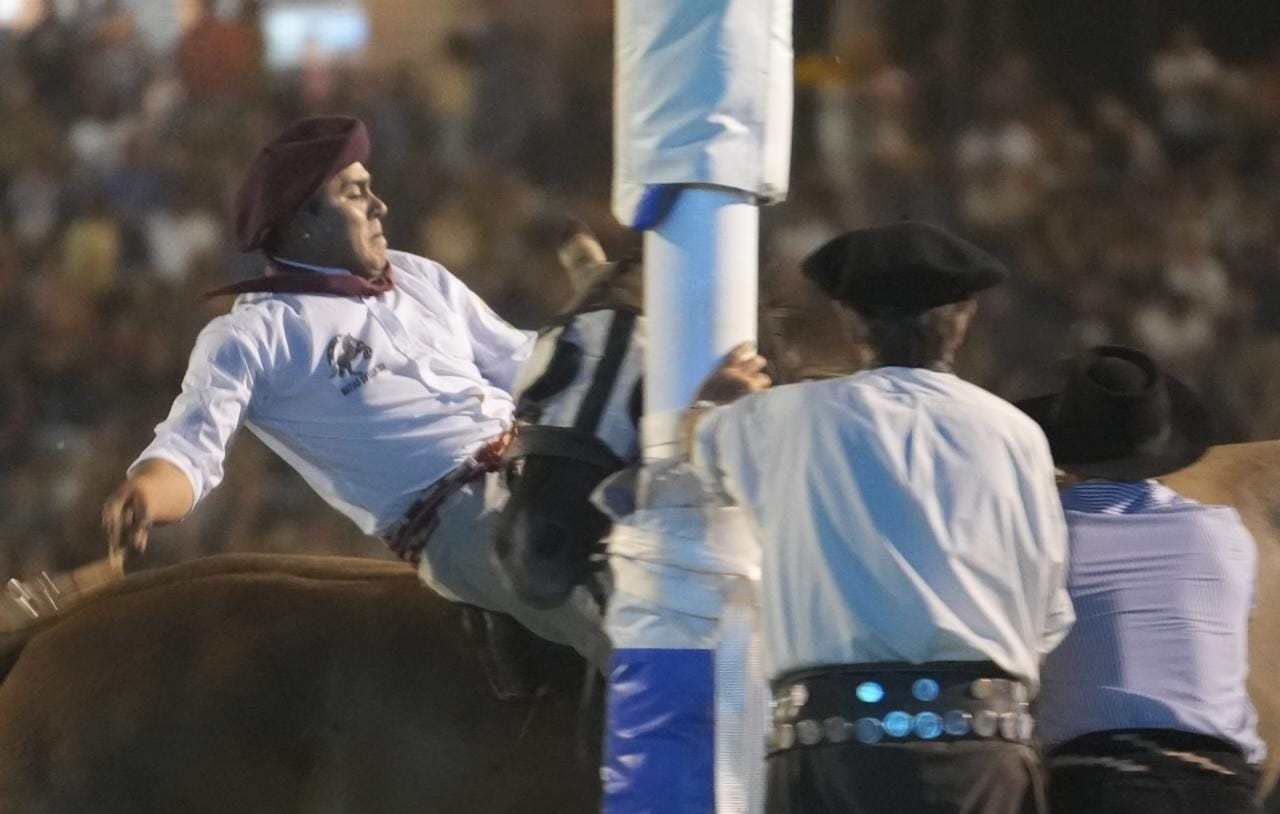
[1162, 587]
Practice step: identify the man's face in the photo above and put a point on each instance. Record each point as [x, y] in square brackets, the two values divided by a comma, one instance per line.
[348, 225]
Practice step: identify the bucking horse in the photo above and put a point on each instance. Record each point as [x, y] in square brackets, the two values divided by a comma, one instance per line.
[304, 684]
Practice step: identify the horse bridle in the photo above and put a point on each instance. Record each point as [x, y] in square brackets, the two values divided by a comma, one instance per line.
[580, 441]
[562, 442]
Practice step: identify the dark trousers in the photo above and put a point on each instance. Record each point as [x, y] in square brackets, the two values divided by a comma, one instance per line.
[960, 777]
[1147, 771]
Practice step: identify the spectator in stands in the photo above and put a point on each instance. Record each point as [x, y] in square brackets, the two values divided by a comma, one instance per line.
[220, 60]
[48, 52]
[1187, 77]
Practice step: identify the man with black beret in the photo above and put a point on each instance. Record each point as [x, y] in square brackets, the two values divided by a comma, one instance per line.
[1144, 705]
[914, 550]
[376, 374]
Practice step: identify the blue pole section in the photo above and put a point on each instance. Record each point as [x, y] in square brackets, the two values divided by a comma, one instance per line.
[659, 756]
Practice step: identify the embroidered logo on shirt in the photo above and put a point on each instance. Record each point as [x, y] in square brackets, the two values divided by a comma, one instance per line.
[349, 363]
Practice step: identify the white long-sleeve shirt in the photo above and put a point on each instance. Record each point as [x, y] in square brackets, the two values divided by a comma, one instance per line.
[904, 515]
[369, 399]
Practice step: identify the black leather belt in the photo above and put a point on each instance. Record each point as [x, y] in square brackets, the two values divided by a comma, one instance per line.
[891, 703]
[1138, 751]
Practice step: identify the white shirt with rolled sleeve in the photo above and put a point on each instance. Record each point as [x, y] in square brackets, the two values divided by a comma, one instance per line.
[370, 399]
[904, 515]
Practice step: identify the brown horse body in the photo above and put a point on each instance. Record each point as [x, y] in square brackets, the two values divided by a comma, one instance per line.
[275, 684]
[1247, 477]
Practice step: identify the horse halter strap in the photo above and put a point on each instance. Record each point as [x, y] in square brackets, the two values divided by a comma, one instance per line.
[563, 442]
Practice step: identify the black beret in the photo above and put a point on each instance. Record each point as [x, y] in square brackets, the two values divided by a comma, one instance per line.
[901, 269]
[290, 168]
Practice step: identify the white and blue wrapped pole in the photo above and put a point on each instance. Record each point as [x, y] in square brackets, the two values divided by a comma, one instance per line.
[702, 137]
[686, 695]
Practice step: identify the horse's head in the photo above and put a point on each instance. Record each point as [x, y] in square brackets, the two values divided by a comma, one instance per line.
[578, 405]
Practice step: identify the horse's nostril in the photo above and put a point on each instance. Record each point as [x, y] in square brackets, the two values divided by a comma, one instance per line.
[537, 561]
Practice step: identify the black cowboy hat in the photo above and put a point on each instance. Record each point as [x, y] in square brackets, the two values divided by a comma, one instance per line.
[1116, 416]
[901, 269]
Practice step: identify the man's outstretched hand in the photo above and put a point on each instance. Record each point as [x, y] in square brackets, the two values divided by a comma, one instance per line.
[127, 519]
[157, 493]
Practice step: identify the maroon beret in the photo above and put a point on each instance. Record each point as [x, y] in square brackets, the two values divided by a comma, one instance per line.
[290, 168]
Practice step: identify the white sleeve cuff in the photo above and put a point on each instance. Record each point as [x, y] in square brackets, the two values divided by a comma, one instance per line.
[183, 466]
[704, 457]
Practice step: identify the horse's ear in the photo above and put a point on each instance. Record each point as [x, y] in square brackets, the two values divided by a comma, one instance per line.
[580, 254]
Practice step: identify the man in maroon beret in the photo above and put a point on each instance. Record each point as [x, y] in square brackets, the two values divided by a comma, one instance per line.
[375, 373]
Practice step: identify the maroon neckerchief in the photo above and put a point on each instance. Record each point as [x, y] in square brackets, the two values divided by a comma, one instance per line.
[280, 280]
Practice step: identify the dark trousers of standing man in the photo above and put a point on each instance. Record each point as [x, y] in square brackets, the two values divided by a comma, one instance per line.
[1142, 771]
[963, 777]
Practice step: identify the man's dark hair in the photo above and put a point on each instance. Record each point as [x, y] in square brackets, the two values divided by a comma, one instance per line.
[271, 244]
[927, 339]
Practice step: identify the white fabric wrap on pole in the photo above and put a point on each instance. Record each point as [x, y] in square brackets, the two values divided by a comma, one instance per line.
[702, 134]
[686, 575]
[702, 95]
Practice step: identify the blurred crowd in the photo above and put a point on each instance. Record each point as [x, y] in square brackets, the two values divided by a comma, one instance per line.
[1153, 221]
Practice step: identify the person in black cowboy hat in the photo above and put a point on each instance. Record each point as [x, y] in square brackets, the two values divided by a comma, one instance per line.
[914, 548]
[1143, 707]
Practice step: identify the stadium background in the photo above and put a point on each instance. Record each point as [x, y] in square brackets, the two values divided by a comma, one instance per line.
[1123, 157]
